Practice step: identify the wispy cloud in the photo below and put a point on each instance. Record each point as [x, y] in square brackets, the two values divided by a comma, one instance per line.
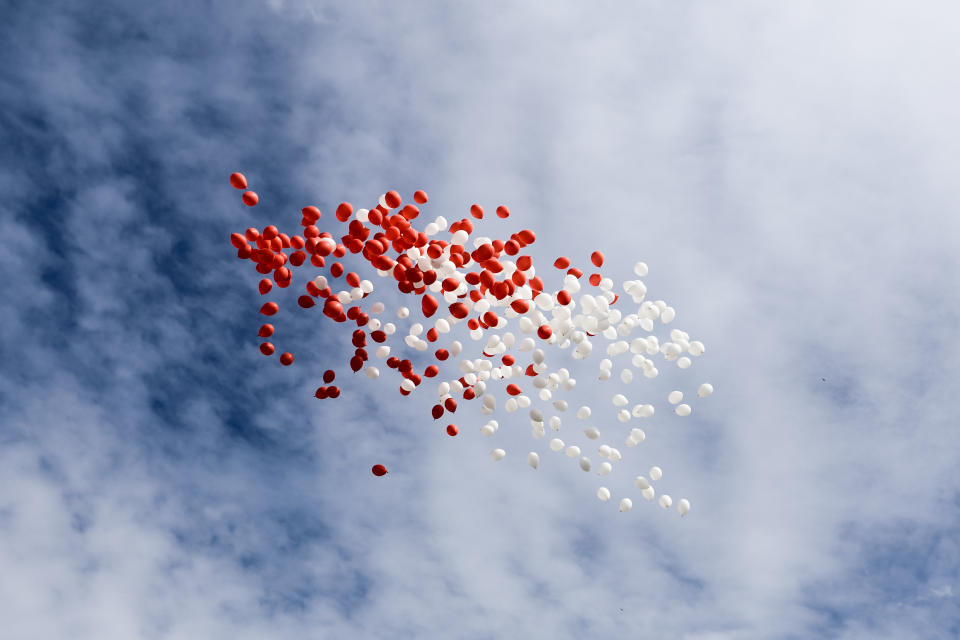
[787, 173]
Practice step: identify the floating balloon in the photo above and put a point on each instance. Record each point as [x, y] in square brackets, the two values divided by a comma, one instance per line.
[379, 470]
[238, 181]
[454, 276]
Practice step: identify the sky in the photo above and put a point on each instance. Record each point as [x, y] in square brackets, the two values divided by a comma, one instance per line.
[788, 171]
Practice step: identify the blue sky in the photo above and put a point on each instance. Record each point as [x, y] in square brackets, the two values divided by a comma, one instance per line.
[787, 172]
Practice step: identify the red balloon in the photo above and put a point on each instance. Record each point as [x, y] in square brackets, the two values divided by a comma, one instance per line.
[450, 405]
[306, 302]
[344, 211]
[420, 197]
[545, 331]
[334, 392]
[238, 180]
[508, 360]
[459, 310]
[250, 198]
[265, 286]
[476, 211]
[514, 390]
[266, 349]
[269, 308]
[563, 297]
[437, 411]
[286, 359]
[329, 375]
[311, 213]
[321, 393]
[266, 331]
[429, 305]
[238, 240]
[392, 198]
[442, 354]
[595, 279]
[503, 212]
[596, 258]
[379, 470]
[452, 430]
[561, 262]
[431, 371]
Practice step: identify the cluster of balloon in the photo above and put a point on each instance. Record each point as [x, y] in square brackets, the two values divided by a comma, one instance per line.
[486, 284]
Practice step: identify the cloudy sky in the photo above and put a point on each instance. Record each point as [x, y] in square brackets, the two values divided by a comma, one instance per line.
[788, 172]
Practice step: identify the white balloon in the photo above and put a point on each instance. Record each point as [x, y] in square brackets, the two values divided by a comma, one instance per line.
[641, 482]
[556, 444]
[683, 507]
[619, 400]
[626, 504]
[683, 410]
[626, 376]
[623, 415]
[585, 463]
[696, 348]
[666, 501]
[554, 423]
[407, 385]
[675, 397]
[498, 454]
[684, 362]
[583, 413]
[615, 454]
[592, 432]
[604, 451]
[372, 372]
[533, 460]
[637, 435]
[403, 312]
[643, 410]
[375, 308]
[603, 493]
[641, 269]
[487, 430]
[648, 493]
[573, 451]
[705, 389]
[605, 468]
[656, 473]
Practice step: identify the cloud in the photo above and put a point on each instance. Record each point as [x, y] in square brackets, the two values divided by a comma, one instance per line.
[786, 174]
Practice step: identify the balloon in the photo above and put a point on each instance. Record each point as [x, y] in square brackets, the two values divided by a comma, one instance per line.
[250, 198]
[641, 482]
[683, 506]
[603, 493]
[490, 285]
[379, 470]
[269, 308]
[266, 349]
[666, 501]
[238, 181]
[626, 504]
[452, 430]
[533, 460]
